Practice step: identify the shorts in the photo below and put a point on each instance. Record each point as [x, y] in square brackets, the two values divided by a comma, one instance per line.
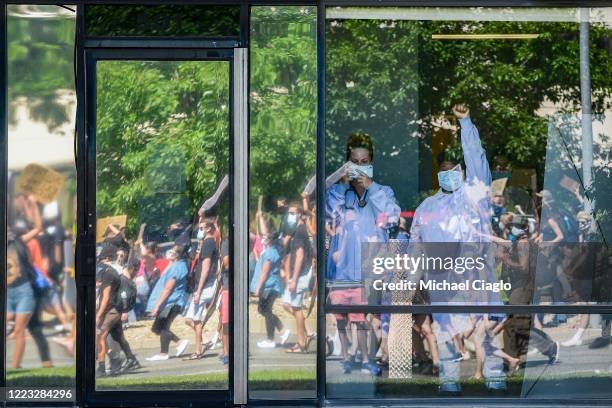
[111, 318]
[347, 297]
[196, 312]
[296, 299]
[225, 315]
[20, 299]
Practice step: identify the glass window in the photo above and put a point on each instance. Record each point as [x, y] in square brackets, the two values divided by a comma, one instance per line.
[461, 142]
[162, 21]
[162, 277]
[467, 164]
[493, 355]
[41, 295]
[283, 102]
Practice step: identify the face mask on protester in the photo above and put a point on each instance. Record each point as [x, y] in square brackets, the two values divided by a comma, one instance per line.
[516, 233]
[451, 180]
[200, 234]
[291, 219]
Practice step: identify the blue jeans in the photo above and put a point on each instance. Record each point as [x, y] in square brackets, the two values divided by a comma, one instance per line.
[20, 299]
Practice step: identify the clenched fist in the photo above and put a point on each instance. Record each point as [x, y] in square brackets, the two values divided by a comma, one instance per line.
[461, 111]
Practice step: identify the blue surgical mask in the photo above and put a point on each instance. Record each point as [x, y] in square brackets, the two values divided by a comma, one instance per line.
[450, 180]
[200, 234]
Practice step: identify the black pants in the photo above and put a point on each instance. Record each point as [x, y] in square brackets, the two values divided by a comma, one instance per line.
[35, 327]
[161, 326]
[520, 334]
[264, 307]
[117, 334]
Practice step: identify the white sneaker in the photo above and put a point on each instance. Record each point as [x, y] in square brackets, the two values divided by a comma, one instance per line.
[180, 348]
[284, 336]
[573, 342]
[266, 344]
[215, 339]
[158, 357]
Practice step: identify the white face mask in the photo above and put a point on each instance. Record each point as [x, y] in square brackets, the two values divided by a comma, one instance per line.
[200, 234]
[291, 219]
[366, 169]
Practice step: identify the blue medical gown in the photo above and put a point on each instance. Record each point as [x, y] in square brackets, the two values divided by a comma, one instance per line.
[354, 225]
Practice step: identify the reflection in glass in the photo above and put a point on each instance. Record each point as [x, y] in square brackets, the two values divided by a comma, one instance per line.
[282, 307]
[493, 355]
[162, 281]
[162, 20]
[41, 295]
[455, 135]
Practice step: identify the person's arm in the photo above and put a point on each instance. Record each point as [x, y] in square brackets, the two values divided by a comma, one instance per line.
[164, 296]
[555, 227]
[265, 271]
[297, 267]
[477, 165]
[334, 205]
[104, 301]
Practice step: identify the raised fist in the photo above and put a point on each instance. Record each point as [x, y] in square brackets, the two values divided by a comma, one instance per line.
[461, 111]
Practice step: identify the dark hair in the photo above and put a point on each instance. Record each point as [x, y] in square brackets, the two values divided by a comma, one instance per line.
[151, 247]
[359, 140]
[446, 165]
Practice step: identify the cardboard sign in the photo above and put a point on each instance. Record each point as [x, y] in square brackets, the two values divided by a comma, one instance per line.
[103, 223]
[40, 181]
[498, 186]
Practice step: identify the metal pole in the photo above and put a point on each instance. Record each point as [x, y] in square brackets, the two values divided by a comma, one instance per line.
[241, 231]
[585, 99]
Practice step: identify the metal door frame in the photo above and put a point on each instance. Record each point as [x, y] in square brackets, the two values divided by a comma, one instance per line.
[238, 229]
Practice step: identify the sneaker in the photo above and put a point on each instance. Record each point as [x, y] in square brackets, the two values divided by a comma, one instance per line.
[158, 357]
[215, 339]
[555, 356]
[284, 336]
[130, 364]
[371, 368]
[266, 344]
[347, 366]
[180, 348]
[573, 342]
[600, 342]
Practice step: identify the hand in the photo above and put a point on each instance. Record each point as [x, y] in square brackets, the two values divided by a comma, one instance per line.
[154, 311]
[461, 111]
[196, 299]
[201, 212]
[256, 294]
[292, 285]
[363, 180]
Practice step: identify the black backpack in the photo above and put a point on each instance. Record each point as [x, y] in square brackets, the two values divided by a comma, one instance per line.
[126, 295]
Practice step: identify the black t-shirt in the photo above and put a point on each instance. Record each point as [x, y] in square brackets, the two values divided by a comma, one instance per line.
[224, 271]
[300, 240]
[110, 277]
[209, 250]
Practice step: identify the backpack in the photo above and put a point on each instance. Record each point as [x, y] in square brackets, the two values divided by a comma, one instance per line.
[569, 225]
[126, 295]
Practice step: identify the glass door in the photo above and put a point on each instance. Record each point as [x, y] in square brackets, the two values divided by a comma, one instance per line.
[158, 236]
